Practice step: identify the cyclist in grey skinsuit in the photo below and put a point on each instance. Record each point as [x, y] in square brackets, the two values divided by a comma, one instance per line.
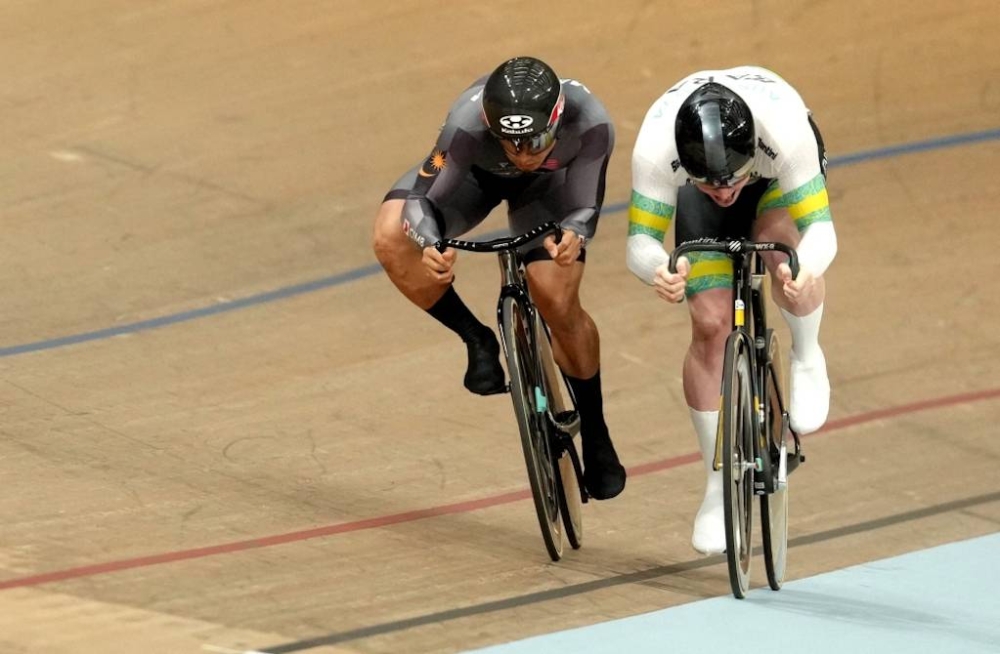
[541, 144]
[467, 174]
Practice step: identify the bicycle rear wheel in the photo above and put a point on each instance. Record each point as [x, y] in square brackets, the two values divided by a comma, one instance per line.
[529, 399]
[774, 506]
[736, 430]
[774, 524]
[570, 501]
[562, 405]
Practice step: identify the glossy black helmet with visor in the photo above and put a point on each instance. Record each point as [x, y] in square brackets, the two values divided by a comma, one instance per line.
[715, 136]
[523, 103]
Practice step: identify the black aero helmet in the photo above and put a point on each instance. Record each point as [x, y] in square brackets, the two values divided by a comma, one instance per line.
[523, 102]
[715, 135]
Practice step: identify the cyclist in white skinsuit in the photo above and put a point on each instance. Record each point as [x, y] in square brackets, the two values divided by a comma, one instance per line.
[734, 154]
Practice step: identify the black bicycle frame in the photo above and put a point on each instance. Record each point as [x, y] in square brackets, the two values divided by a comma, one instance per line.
[513, 285]
[745, 255]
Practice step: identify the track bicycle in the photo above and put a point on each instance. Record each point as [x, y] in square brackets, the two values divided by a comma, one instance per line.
[756, 447]
[544, 405]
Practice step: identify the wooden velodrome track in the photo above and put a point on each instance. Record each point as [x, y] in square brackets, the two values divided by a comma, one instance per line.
[221, 431]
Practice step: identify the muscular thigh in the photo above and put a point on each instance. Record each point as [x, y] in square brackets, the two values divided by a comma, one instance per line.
[711, 314]
[555, 289]
[698, 216]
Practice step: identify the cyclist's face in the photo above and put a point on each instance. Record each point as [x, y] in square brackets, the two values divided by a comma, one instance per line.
[523, 158]
[724, 196]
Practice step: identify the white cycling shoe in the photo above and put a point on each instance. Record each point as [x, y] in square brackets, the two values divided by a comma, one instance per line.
[709, 536]
[810, 394]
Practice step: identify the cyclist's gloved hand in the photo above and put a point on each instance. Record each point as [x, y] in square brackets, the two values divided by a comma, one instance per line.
[567, 249]
[670, 286]
[440, 265]
[799, 288]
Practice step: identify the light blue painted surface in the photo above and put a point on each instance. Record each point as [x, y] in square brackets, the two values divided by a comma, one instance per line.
[939, 601]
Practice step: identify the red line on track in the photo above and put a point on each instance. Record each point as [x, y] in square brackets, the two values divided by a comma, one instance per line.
[458, 507]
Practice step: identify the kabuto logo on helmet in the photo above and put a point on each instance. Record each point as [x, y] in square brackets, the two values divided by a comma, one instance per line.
[516, 124]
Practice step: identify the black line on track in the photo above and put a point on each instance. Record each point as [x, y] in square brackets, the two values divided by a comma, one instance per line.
[618, 580]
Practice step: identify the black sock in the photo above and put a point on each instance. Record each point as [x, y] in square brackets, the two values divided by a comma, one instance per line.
[451, 312]
[590, 404]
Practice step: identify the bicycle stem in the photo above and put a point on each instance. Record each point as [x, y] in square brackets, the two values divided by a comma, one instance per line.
[509, 269]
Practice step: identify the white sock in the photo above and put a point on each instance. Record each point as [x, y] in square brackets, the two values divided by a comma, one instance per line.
[706, 426]
[805, 334]
[809, 400]
[709, 534]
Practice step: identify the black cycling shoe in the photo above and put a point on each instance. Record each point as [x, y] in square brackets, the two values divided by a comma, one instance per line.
[603, 474]
[484, 375]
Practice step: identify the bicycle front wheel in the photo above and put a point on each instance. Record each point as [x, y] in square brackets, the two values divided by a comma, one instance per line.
[736, 429]
[530, 404]
[774, 506]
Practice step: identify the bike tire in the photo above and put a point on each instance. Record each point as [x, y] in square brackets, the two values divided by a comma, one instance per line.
[737, 431]
[527, 395]
[561, 403]
[774, 506]
[774, 526]
[570, 501]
